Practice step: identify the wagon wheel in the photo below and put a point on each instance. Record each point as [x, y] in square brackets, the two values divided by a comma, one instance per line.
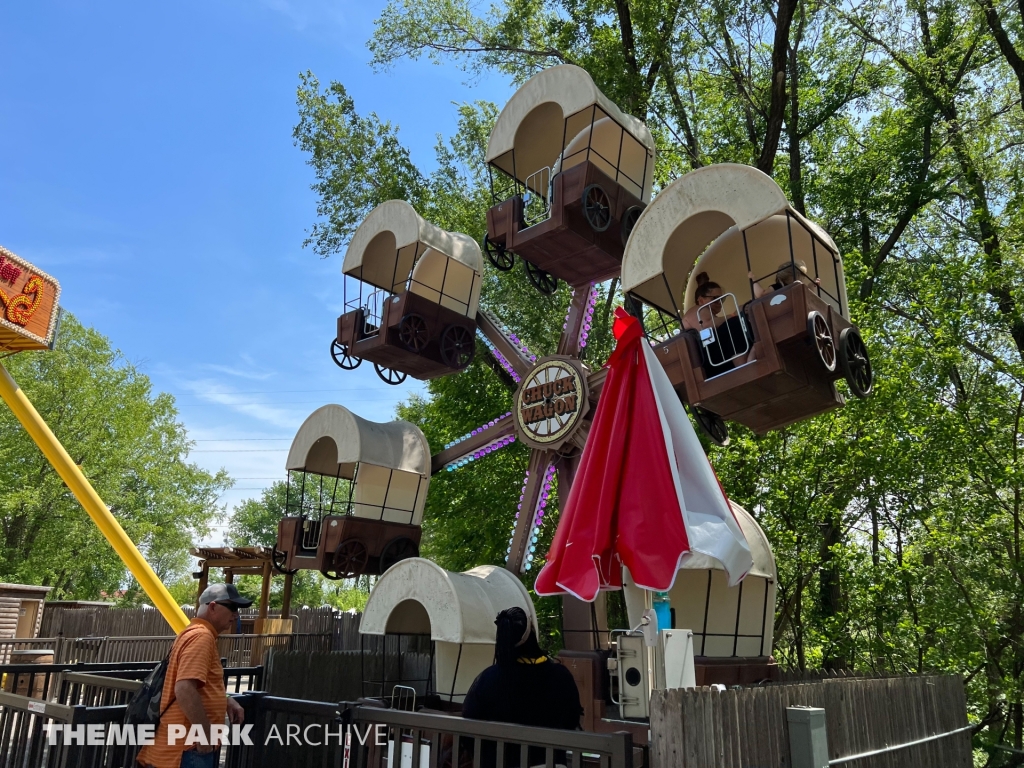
[350, 560]
[543, 281]
[711, 424]
[398, 549]
[457, 346]
[413, 332]
[341, 357]
[597, 207]
[389, 375]
[855, 363]
[497, 254]
[278, 558]
[817, 329]
[629, 221]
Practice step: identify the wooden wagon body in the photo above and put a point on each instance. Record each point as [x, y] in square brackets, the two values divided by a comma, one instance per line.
[411, 295]
[346, 544]
[388, 345]
[355, 495]
[785, 382]
[570, 174]
[565, 245]
[762, 356]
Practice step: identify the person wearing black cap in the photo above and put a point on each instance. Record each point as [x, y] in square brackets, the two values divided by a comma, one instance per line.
[523, 685]
[193, 691]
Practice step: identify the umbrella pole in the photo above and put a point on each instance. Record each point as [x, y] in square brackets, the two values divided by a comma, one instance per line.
[72, 475]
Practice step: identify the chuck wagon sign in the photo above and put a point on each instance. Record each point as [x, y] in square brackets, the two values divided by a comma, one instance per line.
[28, 305]
[551, 402]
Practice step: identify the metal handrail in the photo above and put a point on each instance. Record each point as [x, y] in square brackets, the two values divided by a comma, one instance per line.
[62, 712]
[895, 747]
[534, 213]
[101, 681]
[613, 744]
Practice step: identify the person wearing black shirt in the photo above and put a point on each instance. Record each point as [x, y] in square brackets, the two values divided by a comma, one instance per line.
[523, 686]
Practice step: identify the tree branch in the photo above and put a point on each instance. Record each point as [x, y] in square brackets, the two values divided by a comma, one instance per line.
[777, 101]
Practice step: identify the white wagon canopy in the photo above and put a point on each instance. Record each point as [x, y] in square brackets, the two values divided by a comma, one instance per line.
[396, 250]
[457, 612]
[726, 621]
[388, 465]
[727, 220]
[558, 119]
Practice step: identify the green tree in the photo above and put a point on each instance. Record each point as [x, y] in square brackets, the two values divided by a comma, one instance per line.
[896, 521]
[133, 449]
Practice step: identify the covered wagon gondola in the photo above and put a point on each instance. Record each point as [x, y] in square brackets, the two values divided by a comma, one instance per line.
[411, 294]
[570, 174]
[765, 347]
[356, 491]
[454, 612]
[732, 626]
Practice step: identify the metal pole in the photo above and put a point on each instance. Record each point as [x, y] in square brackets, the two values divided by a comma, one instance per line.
[808, 739]
[90, 500]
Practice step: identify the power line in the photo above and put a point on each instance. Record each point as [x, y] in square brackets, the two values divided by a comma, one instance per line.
[272, 391]
[275, 402]
[238, 439]
[241, 450]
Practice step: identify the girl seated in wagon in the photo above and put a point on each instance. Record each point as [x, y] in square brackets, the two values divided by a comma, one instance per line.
[764, 359]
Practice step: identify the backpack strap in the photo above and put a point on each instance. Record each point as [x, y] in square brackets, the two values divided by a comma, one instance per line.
[167, 661]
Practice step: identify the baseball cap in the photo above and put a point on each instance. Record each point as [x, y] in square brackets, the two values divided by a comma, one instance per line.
[224, 594]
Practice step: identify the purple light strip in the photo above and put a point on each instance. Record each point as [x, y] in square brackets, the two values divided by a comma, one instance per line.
[538, 517]
[479, 453]
[588, 316]
[505, 364]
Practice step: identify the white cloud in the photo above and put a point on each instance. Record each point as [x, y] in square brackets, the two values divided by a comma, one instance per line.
[213, 391]
[238, 372]
[302, 14]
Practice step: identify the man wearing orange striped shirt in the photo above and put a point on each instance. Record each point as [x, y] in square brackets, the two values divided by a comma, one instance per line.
[193, 693]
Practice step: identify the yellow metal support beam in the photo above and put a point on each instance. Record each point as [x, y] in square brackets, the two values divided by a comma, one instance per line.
[87, 496]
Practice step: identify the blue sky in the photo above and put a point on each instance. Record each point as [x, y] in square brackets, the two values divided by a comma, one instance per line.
[146, 162]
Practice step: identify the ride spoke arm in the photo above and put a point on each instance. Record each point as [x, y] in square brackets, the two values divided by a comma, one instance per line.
[485, 436]
[513, 353]
[595, 383]
[537, 474]
[577, 321]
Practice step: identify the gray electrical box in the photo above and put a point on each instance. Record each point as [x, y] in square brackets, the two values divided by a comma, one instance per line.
[808, 740]
[634, 677]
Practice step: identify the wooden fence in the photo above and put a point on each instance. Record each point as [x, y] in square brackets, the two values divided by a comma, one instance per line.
[65, 621]
[747, 728]
[27, 650]
[239, 650]
[68, 621]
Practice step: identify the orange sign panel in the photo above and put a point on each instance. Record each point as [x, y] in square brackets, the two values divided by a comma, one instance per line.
[28, 304]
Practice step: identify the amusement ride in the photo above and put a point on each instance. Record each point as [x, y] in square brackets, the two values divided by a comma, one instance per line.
[741, 298]
[736, 299]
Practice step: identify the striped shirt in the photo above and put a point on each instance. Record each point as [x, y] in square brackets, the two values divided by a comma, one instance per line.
[194, 657]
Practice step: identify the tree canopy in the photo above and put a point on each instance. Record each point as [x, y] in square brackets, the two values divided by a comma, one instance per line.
[132, 448]
[896, 521]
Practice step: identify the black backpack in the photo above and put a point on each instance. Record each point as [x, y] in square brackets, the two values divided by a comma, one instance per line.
[144, 708]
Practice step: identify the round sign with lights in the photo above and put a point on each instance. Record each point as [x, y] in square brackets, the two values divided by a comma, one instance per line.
[551, 402]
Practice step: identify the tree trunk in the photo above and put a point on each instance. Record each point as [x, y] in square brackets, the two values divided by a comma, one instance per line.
[830, 596]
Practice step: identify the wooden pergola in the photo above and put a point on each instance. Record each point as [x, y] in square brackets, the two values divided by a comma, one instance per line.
[255, 561]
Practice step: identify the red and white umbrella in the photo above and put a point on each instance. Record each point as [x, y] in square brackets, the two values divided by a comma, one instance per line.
[645, 495]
